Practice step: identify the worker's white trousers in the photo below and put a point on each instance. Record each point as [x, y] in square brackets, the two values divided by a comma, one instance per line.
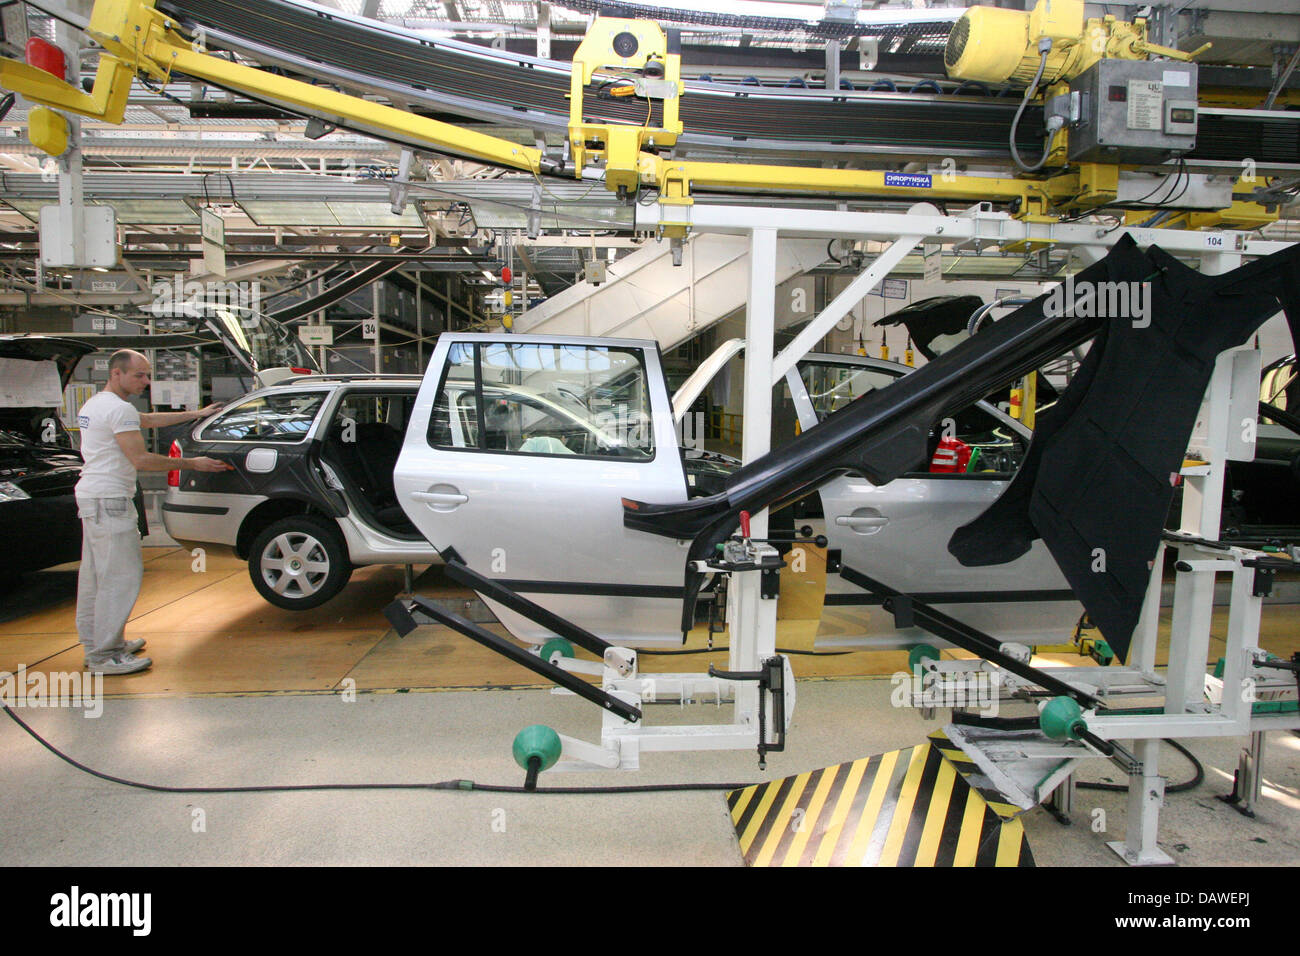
[112, 568]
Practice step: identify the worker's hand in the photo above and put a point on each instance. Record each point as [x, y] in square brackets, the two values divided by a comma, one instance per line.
[209, 410]
[203, 463]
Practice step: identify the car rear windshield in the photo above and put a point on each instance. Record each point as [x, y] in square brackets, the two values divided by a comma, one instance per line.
[283, 417]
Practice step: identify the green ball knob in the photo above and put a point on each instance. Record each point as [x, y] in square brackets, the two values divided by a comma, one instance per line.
[537, 741]
[1062, 719]
[920, 653]
[556, 644]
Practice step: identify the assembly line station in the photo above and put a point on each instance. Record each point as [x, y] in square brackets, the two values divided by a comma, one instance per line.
[878, 413]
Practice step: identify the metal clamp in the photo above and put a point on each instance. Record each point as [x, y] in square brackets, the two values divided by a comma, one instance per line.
[771, 679]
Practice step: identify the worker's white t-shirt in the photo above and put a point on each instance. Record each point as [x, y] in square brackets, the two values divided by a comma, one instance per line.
[107, 473]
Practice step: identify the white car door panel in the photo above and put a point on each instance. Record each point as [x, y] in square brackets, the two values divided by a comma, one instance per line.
[568, 429]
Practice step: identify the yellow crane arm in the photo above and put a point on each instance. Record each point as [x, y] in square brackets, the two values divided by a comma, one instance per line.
[137, 38]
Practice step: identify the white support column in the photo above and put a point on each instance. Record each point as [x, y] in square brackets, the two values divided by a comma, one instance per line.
[1245, 608]
[374, 301]
[1146, 795]
[753, 620]
[817, 329]
[832, 64]
[1202, 501]
[320, 320]
[1142, 652]
[71, 182]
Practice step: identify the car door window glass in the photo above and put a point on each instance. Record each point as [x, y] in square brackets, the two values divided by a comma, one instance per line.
[284, 417]
[457, 392]
[996, 448]
[535, 399]
[375, 408]
[831, 387]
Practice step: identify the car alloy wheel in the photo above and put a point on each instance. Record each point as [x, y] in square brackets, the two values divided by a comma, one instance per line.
[298, 563]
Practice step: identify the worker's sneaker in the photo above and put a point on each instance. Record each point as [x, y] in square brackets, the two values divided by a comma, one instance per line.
[135, 646]
[121, 664]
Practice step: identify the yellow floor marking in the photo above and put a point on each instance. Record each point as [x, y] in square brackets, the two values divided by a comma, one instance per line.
[1009, 840]
[842, 806]
[936, 816]
[743, 801]
[867, 822]
[1004, 810]
[756, 821]
[776, 832]
[903, 809]
[972, 823]
[810, 818]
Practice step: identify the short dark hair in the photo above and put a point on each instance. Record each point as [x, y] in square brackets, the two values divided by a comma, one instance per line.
[121, 360]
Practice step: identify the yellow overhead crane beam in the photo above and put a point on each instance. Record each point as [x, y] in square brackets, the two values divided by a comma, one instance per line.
[633, 56]
[138, 38]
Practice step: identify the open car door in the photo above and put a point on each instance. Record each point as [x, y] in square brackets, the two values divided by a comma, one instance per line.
[519, 452]
[898, 533]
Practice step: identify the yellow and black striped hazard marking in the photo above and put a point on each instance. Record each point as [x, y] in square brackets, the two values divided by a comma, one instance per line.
[902, 808]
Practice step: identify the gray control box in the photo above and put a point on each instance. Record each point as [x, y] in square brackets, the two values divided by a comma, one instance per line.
[1133, 111]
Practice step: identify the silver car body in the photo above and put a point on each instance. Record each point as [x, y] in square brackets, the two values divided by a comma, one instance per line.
[552, 528]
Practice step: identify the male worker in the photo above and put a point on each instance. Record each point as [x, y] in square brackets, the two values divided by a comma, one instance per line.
[111, 562]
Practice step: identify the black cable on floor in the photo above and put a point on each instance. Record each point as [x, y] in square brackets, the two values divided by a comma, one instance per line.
[1198, 775]
[466, 785]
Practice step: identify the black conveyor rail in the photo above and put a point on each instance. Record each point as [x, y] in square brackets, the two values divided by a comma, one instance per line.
[401, 614]
[456, 569]
[908, 610]
[339, 290]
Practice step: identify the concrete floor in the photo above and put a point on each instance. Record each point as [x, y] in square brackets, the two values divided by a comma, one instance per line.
[53, 814]
[243, 694]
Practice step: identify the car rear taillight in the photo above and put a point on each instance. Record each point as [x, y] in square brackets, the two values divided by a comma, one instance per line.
[300, 371]
[174, 477]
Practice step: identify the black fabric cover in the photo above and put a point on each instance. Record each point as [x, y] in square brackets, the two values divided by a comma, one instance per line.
[1098, 473]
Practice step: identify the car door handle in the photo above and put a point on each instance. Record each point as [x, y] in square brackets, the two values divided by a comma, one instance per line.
[861, 522]
[440, 498]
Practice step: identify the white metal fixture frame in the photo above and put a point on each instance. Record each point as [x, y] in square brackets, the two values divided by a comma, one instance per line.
[753, 619]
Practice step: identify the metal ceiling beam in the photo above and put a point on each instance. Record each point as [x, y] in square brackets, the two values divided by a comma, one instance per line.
[514, 190]
[425, 263]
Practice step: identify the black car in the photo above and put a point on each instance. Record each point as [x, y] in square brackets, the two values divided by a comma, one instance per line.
[39, 467]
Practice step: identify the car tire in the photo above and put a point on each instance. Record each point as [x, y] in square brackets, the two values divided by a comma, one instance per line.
[299, 562]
